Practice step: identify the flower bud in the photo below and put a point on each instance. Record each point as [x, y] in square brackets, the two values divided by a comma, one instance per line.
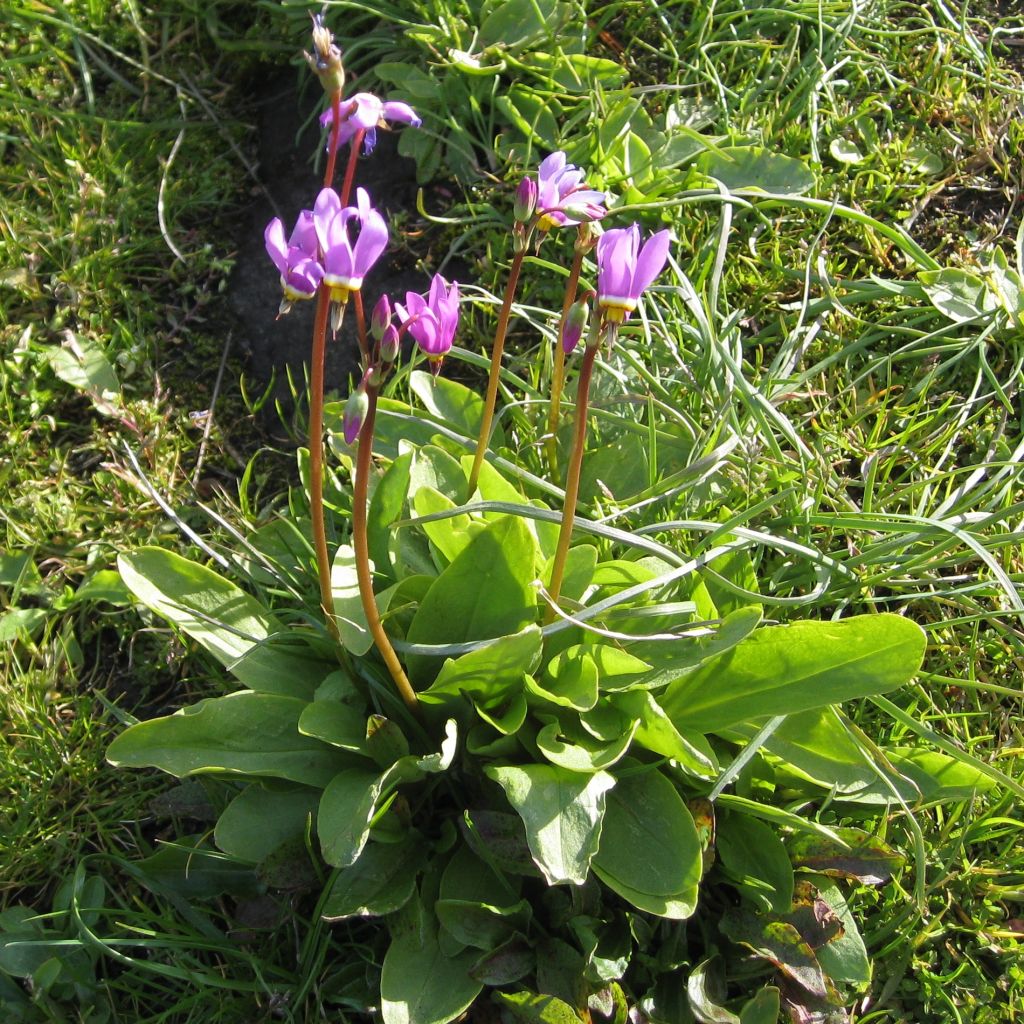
[587, 235]
[526, 200]
[389, 344]
[380, 319]
[356, 408]
[575, 325]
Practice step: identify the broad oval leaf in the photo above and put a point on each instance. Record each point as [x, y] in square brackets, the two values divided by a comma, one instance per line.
[259, 820]
[381, 881]
[755, 169]
[229, 623]
[420, 985]
[649, 844]
[783, 669]
[562, 812]
[246, 733]
[484, 594]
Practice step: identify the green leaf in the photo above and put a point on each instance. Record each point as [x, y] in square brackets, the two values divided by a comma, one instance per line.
[511, 961]
[569, 680]
[348, 605]
[233, 626]
[784, 669]
[845, 152]
[386, 506]
[490, 673]
[259, 820]
[939, 777]
[958, 294]
[763, 1008]
[245, 733]
[381, 881]
[532, 1008]
[482, 925]
[658, 734]
[349, 803]
[754, 856]
[189, 869]
[579, 757]
[420, 985]
[484, 594]
[533, 116]
[562, 812]
[860, 855]
[340, 725]
[450, 536]
[80, 362]
[844, 957]
[649, 845]
[703, 997]
[514, 23]
[755, 169]
[452, 403]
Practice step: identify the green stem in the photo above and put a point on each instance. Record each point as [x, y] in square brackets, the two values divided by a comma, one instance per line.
[360, 542]
[558, 369]
[572, 482]
[492, 382]
[316, 459]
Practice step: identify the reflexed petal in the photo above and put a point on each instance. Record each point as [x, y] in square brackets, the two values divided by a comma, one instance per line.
[277, 249]
[550, 166]
[325, 213]
[426, 330]
[373, 238]
[650, 262]
[395, 110]
[303, 235]
[616, 254]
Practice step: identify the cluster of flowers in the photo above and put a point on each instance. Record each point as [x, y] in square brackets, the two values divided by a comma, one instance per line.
[334, 247]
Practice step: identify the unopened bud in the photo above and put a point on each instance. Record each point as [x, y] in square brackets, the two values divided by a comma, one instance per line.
[526, 200]
[380, 320]
[356, 408]
[389, 344]
[325, 60]
[575, 325]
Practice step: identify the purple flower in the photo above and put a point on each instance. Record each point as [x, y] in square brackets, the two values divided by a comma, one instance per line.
[432, 321]
[562, 196]
[296, 260]
[364, 112]
[624, 269]
[347, 262]
[575, 324]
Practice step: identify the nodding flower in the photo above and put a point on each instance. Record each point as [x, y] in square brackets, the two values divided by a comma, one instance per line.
[347, 262]
[296, 259]
[365, 112]
[625, 270]
[562, 195]
[432, 321]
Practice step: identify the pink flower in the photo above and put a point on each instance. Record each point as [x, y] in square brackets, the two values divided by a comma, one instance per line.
[432, 321]
[562, 197]
[624, 270]
[296, 260]
[364, 112]
[347, 262]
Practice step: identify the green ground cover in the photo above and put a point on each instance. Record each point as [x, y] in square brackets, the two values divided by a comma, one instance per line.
[834, 370]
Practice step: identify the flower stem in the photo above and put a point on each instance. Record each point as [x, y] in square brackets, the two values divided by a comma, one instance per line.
[558, 369]
[364, 347]
[572, 482]
[492, 381]
[332, 148]
[316, 459]
[360, 542]
[350, 170]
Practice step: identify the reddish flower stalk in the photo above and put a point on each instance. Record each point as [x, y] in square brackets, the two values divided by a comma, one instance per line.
[558, 368]
[572, 482]
[316, 416]
[492, 382]
[364, 346]
[361, 545]
[353, 156]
